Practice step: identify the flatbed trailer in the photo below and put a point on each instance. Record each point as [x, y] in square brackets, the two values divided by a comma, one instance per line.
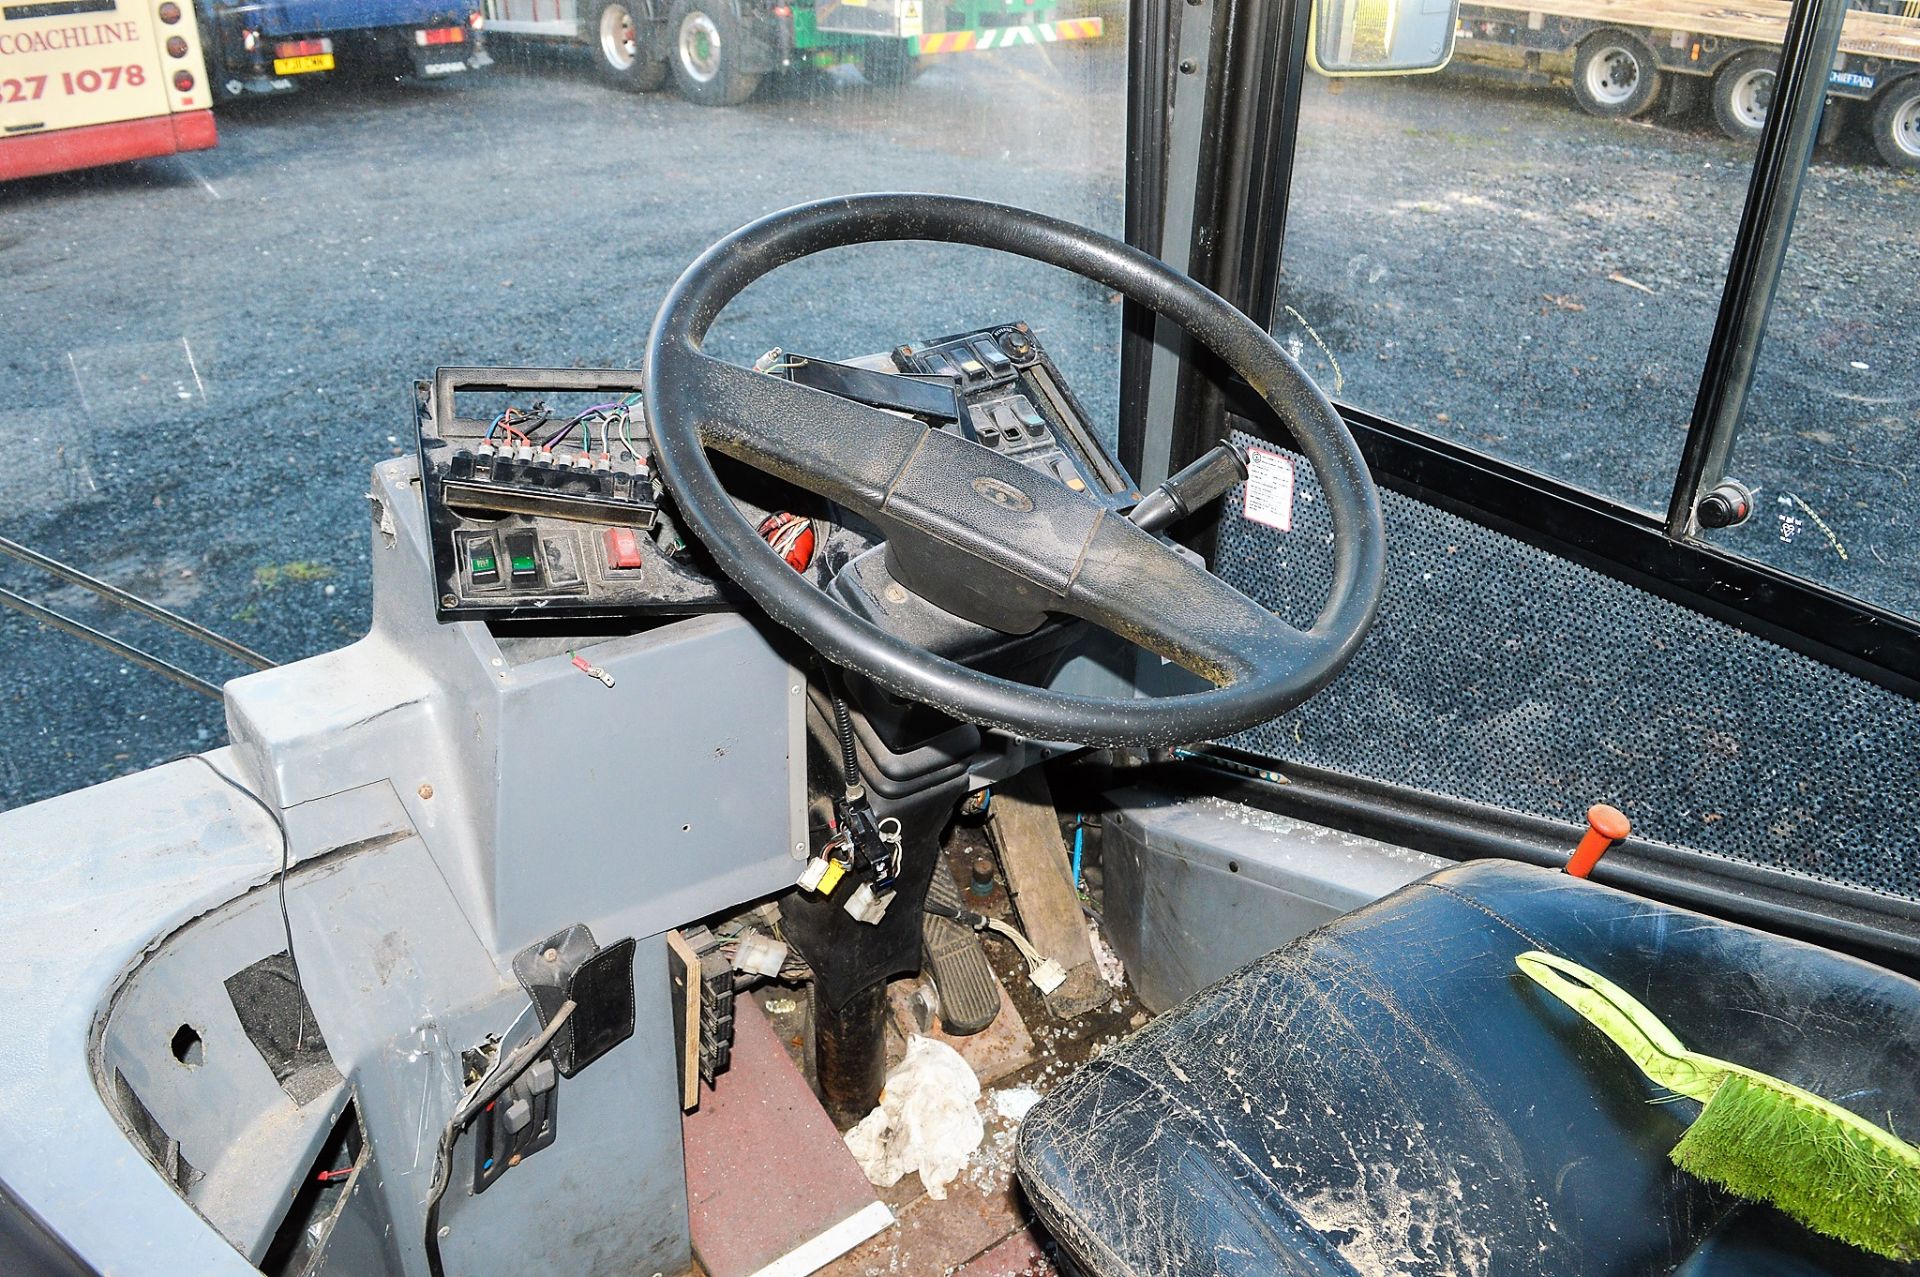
[1623, 52]
[716, 52]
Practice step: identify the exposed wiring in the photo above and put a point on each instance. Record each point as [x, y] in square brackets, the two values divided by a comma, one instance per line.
[473, 1101]
[1036, 962]
[615, 414]
[626, 437]
[843, 728]
[1079, 841]
[280, 884]
[513, 418]
[1020, 942]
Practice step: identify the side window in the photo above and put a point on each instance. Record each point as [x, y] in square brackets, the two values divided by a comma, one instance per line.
[1531, 270]
[1526, 253]
[1830, 444]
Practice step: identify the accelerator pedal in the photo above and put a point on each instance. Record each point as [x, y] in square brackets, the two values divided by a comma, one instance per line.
[969, 994]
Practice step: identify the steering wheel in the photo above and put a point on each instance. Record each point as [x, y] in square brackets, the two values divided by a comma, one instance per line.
[1062, 551]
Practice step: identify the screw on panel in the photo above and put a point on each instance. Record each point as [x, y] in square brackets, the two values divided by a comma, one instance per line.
[1188, 66]
[426, 791]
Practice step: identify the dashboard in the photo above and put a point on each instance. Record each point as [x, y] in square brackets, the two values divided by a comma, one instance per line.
[544, 506]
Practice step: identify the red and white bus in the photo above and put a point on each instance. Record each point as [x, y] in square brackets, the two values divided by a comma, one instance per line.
[88, 82]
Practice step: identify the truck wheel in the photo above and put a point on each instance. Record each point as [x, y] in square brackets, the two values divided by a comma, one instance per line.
[1743, 94]
[886, 64]
[703, 48]
[620, 52]
[1896, 124]
[1614, 75]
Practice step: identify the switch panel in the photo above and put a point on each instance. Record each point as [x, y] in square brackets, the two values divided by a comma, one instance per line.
[1014, 401]
[517, 502]
[519, 1123]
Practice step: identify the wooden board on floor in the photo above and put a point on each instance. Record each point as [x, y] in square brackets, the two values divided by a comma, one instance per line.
[1025, 830]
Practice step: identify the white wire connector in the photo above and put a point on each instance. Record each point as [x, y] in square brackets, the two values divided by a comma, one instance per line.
[1046, 974]
[759, 955]
[866, 905]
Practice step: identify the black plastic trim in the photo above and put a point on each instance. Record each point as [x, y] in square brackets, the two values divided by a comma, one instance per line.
[1150, 36]
[1877, 928]
[1243, 180]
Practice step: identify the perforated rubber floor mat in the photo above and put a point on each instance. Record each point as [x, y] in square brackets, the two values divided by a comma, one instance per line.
[1502, 675]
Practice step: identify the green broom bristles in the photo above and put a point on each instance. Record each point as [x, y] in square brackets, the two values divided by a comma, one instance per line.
[1758, 1136]
[1763, 1141]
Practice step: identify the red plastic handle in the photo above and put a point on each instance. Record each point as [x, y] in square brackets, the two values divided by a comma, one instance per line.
[1605, 827]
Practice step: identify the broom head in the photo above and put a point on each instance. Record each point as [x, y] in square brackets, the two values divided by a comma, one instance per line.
[1838, 1174]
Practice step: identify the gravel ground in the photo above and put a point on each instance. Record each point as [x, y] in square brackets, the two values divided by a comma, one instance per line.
[206, 353]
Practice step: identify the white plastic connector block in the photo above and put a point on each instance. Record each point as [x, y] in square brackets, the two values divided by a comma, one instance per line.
[1048, 976]
[866, 906]
[810, 877]
[759, 955]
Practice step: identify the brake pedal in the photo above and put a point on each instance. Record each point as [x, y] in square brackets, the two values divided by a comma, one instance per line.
[969, 993]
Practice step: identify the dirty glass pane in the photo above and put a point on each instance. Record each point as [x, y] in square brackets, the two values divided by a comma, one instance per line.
[203, 354]
[1830, 443]
[1488, 260]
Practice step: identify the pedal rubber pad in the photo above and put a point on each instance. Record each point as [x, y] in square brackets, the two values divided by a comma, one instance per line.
[969, 993]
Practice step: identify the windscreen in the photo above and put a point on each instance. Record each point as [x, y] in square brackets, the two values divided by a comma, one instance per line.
[205, 352]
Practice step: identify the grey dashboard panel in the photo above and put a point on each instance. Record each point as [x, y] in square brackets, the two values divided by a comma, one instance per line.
[95, 877]
[542, 792]
[448, 798]
[1197, 888]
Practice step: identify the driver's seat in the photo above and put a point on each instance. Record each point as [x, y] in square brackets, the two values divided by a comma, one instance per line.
[1389, 1095]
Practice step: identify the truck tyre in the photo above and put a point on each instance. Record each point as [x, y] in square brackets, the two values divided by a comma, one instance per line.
[1743, 94]
[1896, 124]
[703, 48]
[621, 52]
[886, 64]
[1614, 75]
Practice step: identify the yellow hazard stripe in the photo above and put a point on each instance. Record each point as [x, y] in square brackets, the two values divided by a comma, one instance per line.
[1006, 37]
[946, 41]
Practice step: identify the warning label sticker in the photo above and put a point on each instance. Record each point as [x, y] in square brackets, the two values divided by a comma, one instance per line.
[1270, 489]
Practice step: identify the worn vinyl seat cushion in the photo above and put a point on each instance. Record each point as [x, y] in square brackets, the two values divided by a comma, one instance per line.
[1389, 1095]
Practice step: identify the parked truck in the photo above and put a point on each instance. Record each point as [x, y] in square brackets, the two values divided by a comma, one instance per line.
[1620, 54]
[716, 52]
[271, 46]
